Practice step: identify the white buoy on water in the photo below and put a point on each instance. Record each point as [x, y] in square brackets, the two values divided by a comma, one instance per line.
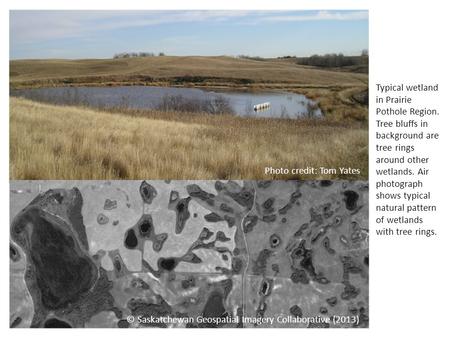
[261, 106]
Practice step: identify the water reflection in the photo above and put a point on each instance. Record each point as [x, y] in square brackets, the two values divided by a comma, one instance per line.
[243, 103]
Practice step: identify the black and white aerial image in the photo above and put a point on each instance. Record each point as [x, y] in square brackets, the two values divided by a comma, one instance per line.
[189, 254]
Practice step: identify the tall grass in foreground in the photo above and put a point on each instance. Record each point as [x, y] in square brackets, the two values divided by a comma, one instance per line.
[56, 142]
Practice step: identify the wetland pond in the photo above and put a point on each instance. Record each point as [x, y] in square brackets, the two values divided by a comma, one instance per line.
[275, 104]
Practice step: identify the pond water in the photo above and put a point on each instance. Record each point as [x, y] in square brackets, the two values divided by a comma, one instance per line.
[244, 103]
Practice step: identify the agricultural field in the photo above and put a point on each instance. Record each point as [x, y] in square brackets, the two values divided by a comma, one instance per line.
[205, 254]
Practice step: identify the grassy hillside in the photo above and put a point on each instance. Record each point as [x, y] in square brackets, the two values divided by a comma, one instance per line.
[169, 67]
[56, 142]
[335, 91]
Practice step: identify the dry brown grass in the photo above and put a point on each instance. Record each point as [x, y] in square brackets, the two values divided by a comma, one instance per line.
[54, 142]
[337, 104]
[332, 89]
[157, 68]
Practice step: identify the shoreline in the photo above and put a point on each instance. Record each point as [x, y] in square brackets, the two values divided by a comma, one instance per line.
[328, 97]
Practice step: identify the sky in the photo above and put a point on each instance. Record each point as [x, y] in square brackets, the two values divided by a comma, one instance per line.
[101, 34]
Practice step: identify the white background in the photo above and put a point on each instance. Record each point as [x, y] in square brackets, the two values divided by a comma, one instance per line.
[409, 285]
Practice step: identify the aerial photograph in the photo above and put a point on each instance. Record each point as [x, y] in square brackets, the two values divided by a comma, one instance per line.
[105, 95]
[189, 254]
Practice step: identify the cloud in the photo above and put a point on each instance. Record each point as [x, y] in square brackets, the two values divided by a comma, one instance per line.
[35, 26]
[78, 33]
[29, 26]
[315, 16]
